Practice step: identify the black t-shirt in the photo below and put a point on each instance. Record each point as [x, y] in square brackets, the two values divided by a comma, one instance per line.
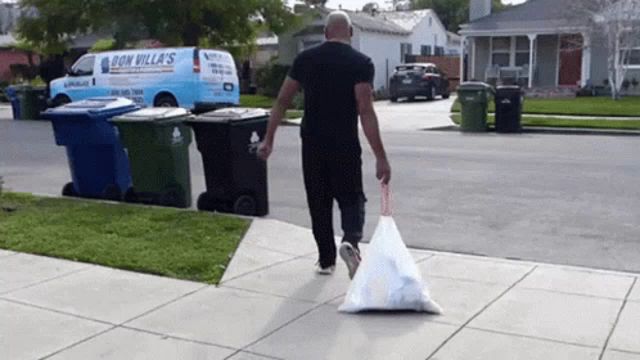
[328, 74]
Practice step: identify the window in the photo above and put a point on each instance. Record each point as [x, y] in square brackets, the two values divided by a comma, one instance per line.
[632, 59]
[501, 51]
[522, 51]
[439, 51]
[84, 67]
[430, 21]
[425, 50]
[405, 49]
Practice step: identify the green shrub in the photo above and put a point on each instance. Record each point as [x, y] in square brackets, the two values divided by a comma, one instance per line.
[269, 78]
[298, 101]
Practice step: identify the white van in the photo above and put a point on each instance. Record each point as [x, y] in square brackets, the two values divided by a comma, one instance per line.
[192, 78]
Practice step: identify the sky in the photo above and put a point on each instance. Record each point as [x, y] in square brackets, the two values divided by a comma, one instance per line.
[358, 4]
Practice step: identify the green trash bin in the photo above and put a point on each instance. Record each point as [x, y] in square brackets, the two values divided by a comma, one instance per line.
[474, 99]
[157, 142]
[33, 100]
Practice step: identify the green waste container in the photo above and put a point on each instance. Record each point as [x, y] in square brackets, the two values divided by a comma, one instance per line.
[474, 99]
[157, 142]
[33, 100]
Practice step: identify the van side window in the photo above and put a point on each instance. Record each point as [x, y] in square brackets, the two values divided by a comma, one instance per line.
[84, 67]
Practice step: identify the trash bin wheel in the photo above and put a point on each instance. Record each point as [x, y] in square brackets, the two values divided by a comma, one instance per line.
[446, 95]
[206, 202]
[68, 190]
[394, 99]
[245, 205]
[130, 196]
[112, 192]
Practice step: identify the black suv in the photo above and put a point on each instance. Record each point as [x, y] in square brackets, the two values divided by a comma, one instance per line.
[412, 80]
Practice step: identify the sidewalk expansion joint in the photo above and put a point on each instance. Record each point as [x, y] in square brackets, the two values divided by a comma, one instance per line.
[480, 312]
[174, 337]
[78, 343]
[230, 357]
[314, 308]
[73, 272]
[263, 268]
[532, 337]
[40, 307]
[269, 294]
[204, 286]
[615, 323]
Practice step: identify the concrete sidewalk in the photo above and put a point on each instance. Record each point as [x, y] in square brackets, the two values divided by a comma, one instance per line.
[272, 305]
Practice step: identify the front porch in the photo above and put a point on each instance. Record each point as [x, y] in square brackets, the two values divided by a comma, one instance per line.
[531, 60]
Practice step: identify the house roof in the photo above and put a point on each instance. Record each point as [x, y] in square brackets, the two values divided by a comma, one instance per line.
[360, 20]
[533, 15]
[378, 23]
[407, 20]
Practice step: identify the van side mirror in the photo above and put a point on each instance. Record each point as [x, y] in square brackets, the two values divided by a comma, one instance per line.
[69, 71]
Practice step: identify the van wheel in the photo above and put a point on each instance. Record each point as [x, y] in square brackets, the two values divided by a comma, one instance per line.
[165, 101]
[60, 100]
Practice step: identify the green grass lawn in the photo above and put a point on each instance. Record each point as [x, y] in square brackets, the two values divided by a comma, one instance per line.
[259, 101]
[568, 123]
[587, 106]
[256, 101]
[169, 242]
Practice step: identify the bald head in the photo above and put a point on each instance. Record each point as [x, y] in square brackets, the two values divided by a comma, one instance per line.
[338, 27]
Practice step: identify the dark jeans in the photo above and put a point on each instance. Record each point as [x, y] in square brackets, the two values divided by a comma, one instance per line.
[333, 172]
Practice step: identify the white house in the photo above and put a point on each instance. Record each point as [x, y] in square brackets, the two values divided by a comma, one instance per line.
[386, 37]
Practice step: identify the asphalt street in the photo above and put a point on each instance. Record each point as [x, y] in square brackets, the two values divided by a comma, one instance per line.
[558, 199]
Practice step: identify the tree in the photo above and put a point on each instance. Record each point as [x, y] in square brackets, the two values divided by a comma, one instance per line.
[52, 23]
[615, 25]
[452, 13]
[316, 3]
[370, 7]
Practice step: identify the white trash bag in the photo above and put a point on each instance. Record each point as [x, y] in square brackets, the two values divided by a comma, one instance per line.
[388, 278]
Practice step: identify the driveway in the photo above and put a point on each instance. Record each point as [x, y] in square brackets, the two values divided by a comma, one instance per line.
[414, 115]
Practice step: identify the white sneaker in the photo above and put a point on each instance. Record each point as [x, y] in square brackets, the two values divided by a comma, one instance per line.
[351, 257]
[325, 271]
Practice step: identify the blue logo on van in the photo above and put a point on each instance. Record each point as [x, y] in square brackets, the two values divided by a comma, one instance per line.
[105, 65]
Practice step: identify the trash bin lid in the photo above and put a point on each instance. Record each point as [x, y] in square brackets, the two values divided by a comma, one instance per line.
[154, 114]
[474, 86]
[228, 115]
[94, 106]
[508, 90]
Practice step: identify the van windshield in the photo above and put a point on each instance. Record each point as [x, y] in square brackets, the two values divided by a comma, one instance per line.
[84, 67]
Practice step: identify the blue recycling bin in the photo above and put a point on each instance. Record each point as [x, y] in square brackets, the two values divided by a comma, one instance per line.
[98, 163]
[12, 94]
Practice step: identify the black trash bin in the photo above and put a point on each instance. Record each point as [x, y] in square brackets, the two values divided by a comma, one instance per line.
[236, 179]
[509, 100]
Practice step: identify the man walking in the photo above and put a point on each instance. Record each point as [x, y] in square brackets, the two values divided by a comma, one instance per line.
[337, 83]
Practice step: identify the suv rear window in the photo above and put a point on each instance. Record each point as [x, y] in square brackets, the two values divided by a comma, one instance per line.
[410, 69]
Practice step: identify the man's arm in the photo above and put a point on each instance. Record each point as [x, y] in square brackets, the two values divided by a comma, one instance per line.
[369, 120]
[288, 90]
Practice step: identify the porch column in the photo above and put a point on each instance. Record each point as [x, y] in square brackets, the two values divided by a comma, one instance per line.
[462, 47]
[532, 39]
[586, 59]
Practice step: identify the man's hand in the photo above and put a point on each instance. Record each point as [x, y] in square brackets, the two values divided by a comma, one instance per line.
[264, 150]
[383, 170]
[288, 90]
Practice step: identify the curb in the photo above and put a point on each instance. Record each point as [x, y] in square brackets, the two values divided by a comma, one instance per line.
[552, 130]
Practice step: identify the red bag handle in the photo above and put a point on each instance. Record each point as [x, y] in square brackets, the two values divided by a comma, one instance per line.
[386, 200]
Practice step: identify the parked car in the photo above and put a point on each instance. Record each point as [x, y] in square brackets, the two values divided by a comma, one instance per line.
[192, 78]
[412, 80]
